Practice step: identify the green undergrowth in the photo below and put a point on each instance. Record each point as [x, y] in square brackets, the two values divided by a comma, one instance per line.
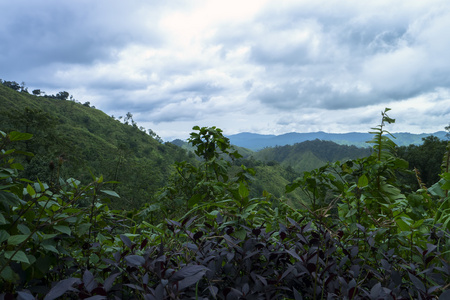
[359, 235]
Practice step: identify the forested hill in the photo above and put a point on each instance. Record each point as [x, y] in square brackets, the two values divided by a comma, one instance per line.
[310, 155]
[256, 142]
[76, 139]
[300, 157]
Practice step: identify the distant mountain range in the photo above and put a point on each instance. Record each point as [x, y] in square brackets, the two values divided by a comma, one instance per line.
[256, 141]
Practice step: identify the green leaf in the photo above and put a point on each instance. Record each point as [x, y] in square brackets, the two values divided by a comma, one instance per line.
[363, 181]
[153, 227]
[3, 220]
[9, 275]
[48, 236]
[446, 185]
[17, 166]
[101, 238]
[243, 191]
[10, 199]
[402, 225]
[17, 239]
[83, 228]
[351, 213]
[418, 223]
[195, 199]
[110, 193]
[31, 191]
[240, 234]
[20, 256]
[50, 248]
[63, 229]
[24, 153]
[4, 235]
[24, 229]
[19, 136]
[436, 190]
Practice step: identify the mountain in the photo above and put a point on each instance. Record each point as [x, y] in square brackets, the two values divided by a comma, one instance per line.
[75, 140]
[256, 141]
[309, 155]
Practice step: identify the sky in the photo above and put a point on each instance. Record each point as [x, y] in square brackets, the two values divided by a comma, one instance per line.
[268, 67]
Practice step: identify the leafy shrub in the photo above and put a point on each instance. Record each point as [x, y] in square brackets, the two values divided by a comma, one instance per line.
[301, 261]
[360, 237]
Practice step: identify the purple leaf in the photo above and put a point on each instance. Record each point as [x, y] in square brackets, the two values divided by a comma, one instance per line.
[293, 254]
[134, 286]
[149, 297]
[107, 285]
[198, 235]
[126, 240]
[187, 272]
[135, 260]
[96, 297]
[88, 280]
[62, 287]
[417, 283]
[213, 290]
[25, 296]
[445, 295]
[193, 279]
[297, 295]
[144, 243]
[376, 291]
[289, 270]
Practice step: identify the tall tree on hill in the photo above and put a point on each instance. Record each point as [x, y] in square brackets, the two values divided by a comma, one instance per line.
[62, 95]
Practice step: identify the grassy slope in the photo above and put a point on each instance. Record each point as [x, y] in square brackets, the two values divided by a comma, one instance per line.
[90, 140]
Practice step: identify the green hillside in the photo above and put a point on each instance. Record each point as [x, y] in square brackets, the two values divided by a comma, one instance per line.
[310, 155]
[76, 140]
[71, 139]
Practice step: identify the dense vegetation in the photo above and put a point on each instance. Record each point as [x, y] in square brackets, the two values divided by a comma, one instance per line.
[425, 160]
[73, 140]
[310, 155]
[360, 234]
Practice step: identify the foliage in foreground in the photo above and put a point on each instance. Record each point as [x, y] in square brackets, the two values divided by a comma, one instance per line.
[361, 237]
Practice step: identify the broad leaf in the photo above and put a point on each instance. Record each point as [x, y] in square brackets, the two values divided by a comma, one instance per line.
[61, 288]
[135, 260]
[63, 229]
[17, 239]
[20, 256]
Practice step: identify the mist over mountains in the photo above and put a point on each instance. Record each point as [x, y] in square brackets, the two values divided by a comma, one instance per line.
[256, 141]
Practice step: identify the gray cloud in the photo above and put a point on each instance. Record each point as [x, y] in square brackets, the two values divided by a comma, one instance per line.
[273, 68]
[38, 34]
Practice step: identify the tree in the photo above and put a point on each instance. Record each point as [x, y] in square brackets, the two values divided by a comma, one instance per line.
[12, 84]
[62, 95]
[129, 117]
[23, 88]
[38, 92]
[425, 158]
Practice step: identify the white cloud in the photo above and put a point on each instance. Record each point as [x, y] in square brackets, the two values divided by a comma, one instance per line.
[261, 66]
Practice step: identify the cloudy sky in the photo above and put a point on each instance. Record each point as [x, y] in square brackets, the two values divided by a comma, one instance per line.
[268, 67]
